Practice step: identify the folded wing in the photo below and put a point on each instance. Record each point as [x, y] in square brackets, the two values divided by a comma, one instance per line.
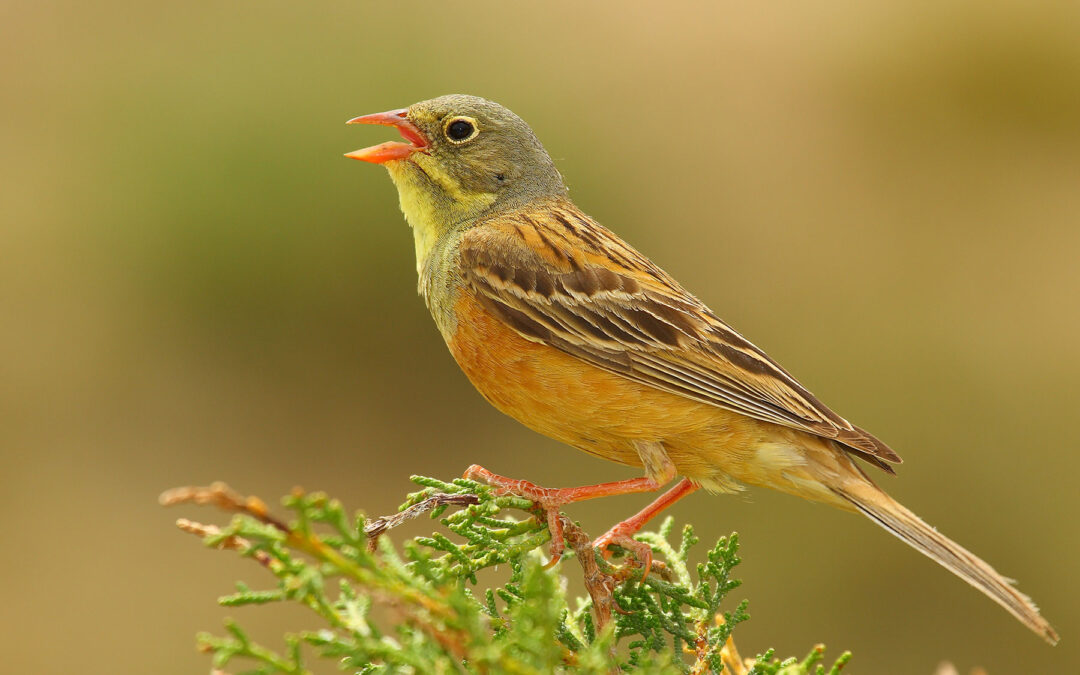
[560, 278]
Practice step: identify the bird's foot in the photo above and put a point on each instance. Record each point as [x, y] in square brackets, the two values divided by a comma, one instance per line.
[550, 500]
[623, 535]
[547, 500]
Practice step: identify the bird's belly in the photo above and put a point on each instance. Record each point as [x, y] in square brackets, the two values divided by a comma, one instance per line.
[603, 413]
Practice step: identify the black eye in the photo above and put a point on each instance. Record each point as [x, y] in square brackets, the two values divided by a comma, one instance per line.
[459, 130]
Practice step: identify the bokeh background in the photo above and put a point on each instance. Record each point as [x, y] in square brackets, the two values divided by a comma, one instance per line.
[195, 285]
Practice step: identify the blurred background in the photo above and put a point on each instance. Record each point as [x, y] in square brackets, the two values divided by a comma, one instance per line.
[195, 285]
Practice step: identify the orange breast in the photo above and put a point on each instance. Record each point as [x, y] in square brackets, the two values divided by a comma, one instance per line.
[591, 409]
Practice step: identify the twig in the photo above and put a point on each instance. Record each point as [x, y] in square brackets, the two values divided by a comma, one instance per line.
[600, 585]
[225, 498]
[229, 543]
[377, 526]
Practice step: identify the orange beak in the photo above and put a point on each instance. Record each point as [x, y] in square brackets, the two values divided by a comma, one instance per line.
[388, 152]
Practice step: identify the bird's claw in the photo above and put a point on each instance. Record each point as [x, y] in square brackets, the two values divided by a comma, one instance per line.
[621, 535]
[558, 541]
[546, 500]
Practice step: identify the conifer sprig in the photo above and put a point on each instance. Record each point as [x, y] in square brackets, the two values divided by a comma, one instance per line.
[442, 620]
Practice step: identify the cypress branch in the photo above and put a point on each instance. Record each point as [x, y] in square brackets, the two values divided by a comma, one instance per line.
[342, 566]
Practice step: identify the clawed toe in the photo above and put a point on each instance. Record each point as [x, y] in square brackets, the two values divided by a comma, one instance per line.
[641, 551]
[545, 499]
[558, 541]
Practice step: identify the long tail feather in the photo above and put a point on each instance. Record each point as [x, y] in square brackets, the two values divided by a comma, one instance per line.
[894, 517]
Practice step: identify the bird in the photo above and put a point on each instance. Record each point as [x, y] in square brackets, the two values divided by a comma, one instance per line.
[565, 327]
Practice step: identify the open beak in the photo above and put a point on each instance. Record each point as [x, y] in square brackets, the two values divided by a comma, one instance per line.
[388, 152]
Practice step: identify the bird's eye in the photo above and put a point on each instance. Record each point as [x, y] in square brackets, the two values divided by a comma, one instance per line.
[461, 129]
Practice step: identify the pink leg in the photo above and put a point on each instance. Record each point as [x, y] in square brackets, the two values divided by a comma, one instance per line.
[550, 499]
[623, 533]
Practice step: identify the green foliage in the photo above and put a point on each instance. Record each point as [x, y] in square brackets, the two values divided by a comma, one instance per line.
[422, 610]
[767, 665]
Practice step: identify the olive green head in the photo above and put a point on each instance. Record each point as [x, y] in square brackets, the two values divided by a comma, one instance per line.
[466, 157]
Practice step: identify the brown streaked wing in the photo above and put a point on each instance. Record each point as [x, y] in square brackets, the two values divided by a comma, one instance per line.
[557, 277]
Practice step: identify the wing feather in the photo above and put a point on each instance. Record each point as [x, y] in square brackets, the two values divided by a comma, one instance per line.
[558, 277]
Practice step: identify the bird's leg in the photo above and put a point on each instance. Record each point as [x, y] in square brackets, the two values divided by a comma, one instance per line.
[623, 533]
[551, 499]
[659, 471]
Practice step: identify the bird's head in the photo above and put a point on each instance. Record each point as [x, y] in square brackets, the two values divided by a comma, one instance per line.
[465, 157]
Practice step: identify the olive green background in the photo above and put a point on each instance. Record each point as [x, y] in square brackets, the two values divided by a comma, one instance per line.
[195, 285]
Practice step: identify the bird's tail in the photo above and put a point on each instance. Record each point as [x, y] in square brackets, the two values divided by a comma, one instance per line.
[894, 517]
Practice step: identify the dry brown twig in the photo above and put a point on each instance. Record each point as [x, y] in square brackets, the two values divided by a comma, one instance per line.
[379, 525]
[231, 543]
[225, 498]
